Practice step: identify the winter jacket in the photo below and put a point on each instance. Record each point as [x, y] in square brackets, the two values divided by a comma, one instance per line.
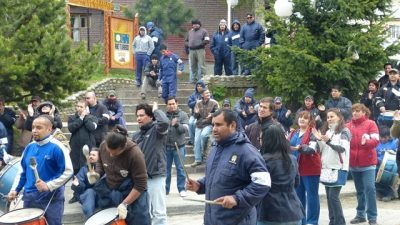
[8, 119]
[157, 35]
[389, 96]
[281, 203]
[169, 63]
[101, 113]
[152, 138]
[363, 155]
[313, 111]
[176, 133]
[280, 115]
[38, 112]
[83, 181]
[235, 34]
[116, 109]
[205, 109]
[308, 155]
[197, 39]
[254, 130]
[234, 167]
[82, 133]
[195, 96]
[339, 144]
[241, 106]
[343, 104]
[151, 67]
[391, 144]
[221, 42]
[252, 36]
[143, 44]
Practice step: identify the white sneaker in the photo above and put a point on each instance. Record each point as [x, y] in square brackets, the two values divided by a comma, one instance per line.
[183, 194]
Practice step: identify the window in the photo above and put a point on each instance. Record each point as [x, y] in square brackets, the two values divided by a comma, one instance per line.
[394, 31]
[78, 22]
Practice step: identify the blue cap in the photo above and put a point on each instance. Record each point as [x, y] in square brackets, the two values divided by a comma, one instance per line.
[149, 25]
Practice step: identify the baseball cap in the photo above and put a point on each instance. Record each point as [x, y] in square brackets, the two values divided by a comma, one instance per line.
[36, 98]
[309, 97]
[393, 71]
[226, 102]
[278, 99]
[111, 93]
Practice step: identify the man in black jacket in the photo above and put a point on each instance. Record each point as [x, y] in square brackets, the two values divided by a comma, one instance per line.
[101, 113]
[151, 138]
[8, 118]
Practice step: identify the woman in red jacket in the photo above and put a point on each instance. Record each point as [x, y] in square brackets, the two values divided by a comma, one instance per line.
[363, 160]
[304, 146]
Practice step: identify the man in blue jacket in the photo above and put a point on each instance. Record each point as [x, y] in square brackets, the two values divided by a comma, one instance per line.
[192, 100]
[169, 63]
[236, 176]
[235, 36]
[157, 35]
[252, 36]
[220, 47]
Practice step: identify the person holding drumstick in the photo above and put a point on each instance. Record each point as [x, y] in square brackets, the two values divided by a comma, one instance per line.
[236, 176]
[125, 181]
[46, 167]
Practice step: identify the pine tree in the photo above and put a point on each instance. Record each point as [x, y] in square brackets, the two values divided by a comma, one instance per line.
[331, 42]
[36, 53]
[169, 15]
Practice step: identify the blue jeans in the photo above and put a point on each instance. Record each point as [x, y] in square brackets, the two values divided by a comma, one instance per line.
[200, 141]
[158, 207]
[142, 59]
[172, 156]
[307, 192]
[192, 128]
[88, 202]
[366, 194]
[264, 222]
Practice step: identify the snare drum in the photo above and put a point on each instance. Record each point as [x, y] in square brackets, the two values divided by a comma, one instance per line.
[7, 176]
[28, 216]
[387, 173]
[105, 217]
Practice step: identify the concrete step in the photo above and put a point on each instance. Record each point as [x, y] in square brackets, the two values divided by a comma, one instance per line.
[150, 97]
[135, 92]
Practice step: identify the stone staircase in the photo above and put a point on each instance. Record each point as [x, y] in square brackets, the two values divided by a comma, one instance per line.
[129, 95]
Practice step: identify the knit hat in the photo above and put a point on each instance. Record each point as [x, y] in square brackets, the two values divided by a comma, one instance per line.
[249, 93]
[226, 101]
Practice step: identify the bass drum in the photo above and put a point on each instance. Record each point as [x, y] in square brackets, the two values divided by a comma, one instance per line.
[387, 173]
[7, 176]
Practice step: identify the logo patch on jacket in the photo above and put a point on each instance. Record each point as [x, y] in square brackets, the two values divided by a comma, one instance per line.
[124, 173]
[233, 159]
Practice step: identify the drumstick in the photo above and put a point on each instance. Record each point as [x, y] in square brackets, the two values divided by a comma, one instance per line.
[33, 163]
[181, 161]
[203, 201]
[85, 150]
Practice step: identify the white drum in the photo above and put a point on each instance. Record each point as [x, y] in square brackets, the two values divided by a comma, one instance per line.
[28, 216]
[105, 217]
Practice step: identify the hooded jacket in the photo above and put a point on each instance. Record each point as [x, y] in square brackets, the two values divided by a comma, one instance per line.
[38, 112]
[176, 134]
[235, 34]
[234, 167]
[363, 155]
[195, 96]
[143, 44]
[157, 35]
[241, 105]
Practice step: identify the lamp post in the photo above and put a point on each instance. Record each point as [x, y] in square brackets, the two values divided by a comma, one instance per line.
[283, 8]
[231, 4]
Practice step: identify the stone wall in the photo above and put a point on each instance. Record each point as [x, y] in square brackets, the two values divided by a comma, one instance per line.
[234, 85]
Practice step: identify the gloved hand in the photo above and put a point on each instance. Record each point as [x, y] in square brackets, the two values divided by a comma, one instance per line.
[93, 177]
[122, 211]
[158, 83]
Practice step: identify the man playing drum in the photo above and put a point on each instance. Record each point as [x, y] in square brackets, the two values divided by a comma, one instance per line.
[46, 167]
[125, 181]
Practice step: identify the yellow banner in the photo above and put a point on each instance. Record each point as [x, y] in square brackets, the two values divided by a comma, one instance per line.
[121, 39]
[93, 4]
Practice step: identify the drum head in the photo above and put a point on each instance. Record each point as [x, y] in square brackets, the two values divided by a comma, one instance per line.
[388, 113]
[21, 215]
[102, 217]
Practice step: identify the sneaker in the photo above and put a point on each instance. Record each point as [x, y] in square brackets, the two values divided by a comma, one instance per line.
[373, 222]
[183, 194]
[73, 199]
[358, 220]
[195, 164]
[143, 96]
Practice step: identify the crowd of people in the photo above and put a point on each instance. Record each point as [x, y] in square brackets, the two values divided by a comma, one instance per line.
[264, 164]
